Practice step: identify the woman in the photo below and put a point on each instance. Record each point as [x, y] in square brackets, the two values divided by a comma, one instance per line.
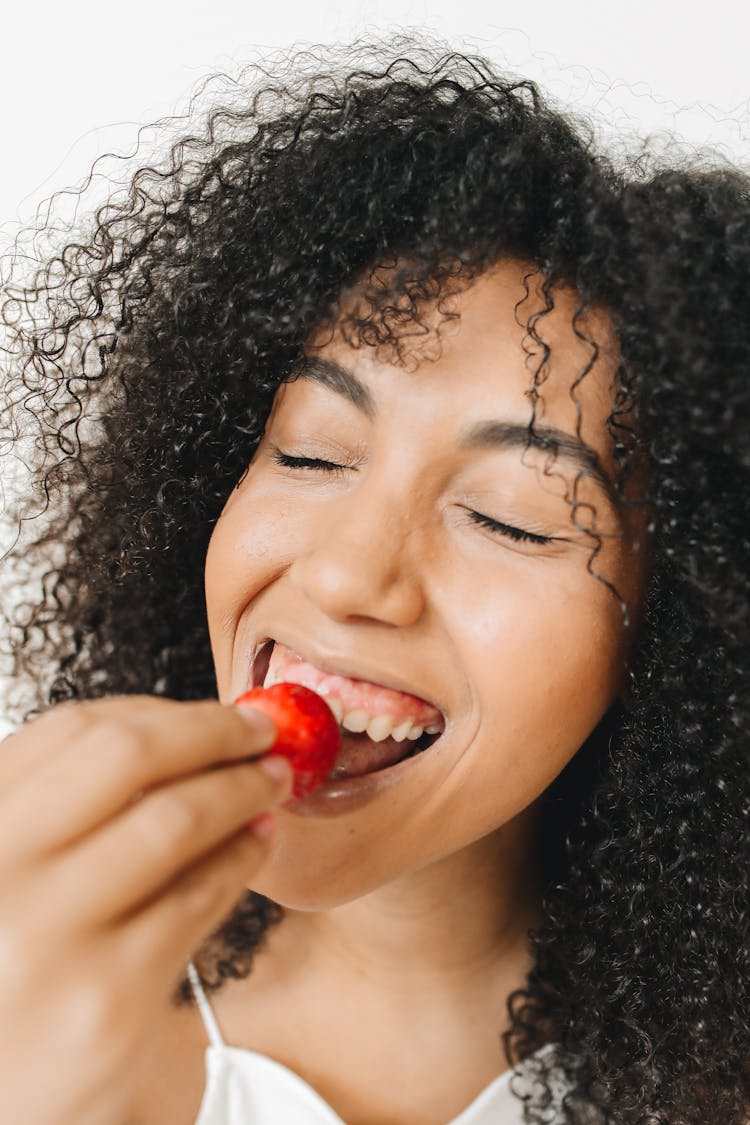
[449, 411]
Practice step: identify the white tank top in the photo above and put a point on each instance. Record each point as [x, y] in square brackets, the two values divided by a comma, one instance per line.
[247, 1088]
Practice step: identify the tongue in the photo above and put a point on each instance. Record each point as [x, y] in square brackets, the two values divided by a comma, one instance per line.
[359, 754]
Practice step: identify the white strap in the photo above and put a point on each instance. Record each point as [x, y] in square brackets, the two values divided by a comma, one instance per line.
[209, 1019]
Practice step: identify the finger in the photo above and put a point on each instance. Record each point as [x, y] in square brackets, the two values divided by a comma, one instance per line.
[120, 750]
[165, 933]
[44, 737]
[38, 739]
[136, 856]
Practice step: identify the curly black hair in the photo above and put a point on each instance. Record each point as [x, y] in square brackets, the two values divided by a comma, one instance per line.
[142, 359]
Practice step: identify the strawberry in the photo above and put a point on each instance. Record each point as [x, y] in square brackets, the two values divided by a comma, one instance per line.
[308, 734]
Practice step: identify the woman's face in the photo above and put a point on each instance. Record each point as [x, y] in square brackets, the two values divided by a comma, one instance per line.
[383, 571]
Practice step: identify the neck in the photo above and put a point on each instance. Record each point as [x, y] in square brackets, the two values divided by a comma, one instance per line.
[400, 996]
[453, 928]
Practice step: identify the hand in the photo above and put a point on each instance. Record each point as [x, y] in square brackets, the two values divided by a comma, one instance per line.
[123, 844]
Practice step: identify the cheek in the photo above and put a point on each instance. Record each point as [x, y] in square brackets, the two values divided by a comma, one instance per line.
[544, 670]
[252, 541]
[544, 655]
[242, 558]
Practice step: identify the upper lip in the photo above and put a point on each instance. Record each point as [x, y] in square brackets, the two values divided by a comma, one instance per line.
[341, 666]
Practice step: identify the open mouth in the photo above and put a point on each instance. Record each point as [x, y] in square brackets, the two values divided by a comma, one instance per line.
[261, 663]
[360, 753]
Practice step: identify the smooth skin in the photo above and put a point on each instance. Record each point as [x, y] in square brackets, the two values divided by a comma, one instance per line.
[124, 841]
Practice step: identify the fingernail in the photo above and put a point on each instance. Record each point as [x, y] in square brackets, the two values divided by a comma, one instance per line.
[263, 826]
[277, 767]
[261, 723]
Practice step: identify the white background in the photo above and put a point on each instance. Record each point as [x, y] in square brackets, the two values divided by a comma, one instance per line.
[78, 78]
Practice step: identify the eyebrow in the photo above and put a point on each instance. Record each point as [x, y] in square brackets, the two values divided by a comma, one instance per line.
[488, 434]
[336, 378]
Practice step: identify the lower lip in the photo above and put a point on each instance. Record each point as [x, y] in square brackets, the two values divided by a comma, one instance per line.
[346, 795]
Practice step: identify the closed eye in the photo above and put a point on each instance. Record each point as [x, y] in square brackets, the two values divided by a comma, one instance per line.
[290, 462]
[503, 529]
[509, 532]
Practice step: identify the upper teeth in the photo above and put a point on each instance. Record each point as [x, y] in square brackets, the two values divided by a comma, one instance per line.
[378, 727]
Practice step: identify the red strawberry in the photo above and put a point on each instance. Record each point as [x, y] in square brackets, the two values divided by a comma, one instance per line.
[308, 734]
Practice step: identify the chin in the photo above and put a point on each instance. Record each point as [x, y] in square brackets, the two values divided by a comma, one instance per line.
[313, 889]
[293, 895]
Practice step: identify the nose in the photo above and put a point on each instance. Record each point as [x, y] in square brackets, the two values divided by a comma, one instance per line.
[363, 562]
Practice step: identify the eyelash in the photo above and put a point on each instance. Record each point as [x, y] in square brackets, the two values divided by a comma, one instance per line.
[510, 532]
[312, 463]
[290, 462]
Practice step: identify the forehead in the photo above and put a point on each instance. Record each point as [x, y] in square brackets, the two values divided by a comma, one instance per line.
[499, 343]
